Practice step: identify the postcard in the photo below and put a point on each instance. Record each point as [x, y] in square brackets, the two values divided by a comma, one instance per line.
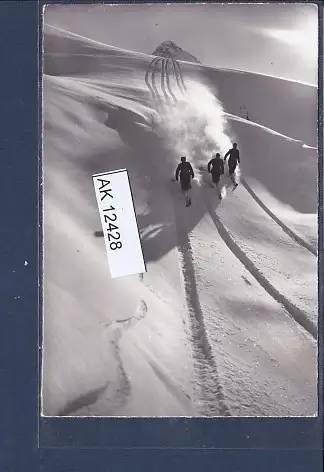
[180, 209]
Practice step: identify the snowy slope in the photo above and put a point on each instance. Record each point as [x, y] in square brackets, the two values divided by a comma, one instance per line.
[224, 321]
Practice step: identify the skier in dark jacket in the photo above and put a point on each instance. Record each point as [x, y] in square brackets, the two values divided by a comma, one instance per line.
[216, 168]
[233, 160]
[186, 173]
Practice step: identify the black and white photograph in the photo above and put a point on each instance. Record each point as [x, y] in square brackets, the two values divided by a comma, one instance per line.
[180, 210]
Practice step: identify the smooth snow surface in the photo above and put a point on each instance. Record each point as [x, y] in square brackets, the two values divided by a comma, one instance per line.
[224, 322]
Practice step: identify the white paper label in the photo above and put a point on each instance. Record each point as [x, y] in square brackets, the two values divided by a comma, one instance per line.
[119, 225]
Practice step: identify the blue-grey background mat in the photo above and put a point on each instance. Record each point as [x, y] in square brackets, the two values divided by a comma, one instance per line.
[28, 442]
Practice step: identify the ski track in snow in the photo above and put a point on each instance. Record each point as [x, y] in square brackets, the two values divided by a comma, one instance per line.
[179, 78]
[282, 225]
[167, 75]
[83, 405]
[209, 392]
[150, 80]
[295, 313]
[163, 79]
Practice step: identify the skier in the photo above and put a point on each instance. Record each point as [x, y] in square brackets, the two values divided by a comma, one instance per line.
[216, 168]
[186, 173]
[234, 158]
